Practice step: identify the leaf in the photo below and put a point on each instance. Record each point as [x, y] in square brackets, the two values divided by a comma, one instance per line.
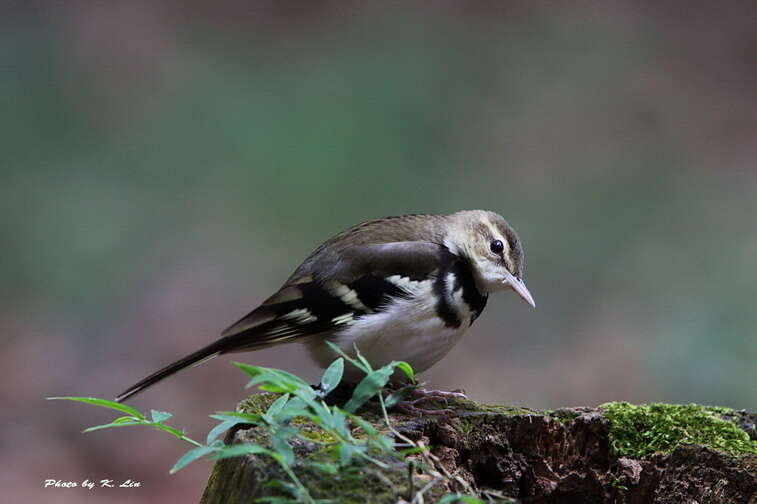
[276, 387]
[362, 359]
[125, 419]
[278, 381]
[349, 359]
[332, 376]
[326, 467]
[252, 371]
[398, 396]
[273, 375]
[365, 425]
[321, 412]
[248, 418]
[282, 447]
[292, 378]
[114, 424]
[103, 403]
[368, 387]
[171, 430]
[245, 449]
[275, 408]
[118, 422]
[267, 379]
[339, 422]
[411, 451]
[192, 455]
[294, 408]
[221, 428]
[384, 442]
[346, 452]
[159, 416]
[287, 487]
[406, 368]
[296, 403]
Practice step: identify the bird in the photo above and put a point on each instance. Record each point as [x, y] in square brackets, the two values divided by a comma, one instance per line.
[400, 288]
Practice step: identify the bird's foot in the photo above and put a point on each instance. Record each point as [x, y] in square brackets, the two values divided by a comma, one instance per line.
[410, 408]
[439, 394]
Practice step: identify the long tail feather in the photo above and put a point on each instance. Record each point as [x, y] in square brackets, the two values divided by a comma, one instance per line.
[214, 349]
[288, 319]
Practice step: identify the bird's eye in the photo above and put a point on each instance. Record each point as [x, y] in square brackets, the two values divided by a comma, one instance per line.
[497, 246]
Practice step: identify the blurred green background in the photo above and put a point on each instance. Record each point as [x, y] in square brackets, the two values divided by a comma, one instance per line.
[165, 166]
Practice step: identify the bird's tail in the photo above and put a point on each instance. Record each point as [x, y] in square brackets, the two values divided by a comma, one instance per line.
[213, 350]
[259, 329]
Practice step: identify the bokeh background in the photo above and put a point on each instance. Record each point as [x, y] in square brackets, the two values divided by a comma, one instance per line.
[165, 165]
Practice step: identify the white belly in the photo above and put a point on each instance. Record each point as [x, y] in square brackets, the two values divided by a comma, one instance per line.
[408, 330]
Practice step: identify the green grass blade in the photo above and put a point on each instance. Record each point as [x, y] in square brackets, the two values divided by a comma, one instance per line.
[113, 424]
[221, 428]
[368, 387]
[349, 359]
[191, 456]
[103, 403]
[246, 449]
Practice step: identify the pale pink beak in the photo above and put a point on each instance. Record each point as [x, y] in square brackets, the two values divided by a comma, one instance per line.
[519, 287]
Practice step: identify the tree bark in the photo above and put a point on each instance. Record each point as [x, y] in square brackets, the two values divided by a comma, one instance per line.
[509, 455]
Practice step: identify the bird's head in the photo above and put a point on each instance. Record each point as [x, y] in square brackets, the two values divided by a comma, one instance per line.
[493, 249]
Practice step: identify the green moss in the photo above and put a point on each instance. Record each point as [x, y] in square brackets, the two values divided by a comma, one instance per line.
[466, 405]
[563, 416]
[256, 404]
[354, 484]
[467, 425]
[259, 403]
[349, 485]
[503, 410]
[313, 433]
[638, 430]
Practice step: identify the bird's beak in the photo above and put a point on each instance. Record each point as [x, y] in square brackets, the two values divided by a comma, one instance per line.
[518, 286]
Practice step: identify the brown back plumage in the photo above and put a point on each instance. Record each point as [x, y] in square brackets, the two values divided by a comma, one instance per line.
[409, 227]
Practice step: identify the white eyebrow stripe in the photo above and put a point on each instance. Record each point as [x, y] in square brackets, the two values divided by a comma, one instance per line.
[505, 242]
[496, 234]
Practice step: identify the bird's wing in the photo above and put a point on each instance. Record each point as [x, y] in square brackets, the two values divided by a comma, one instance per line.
[335, 288]
[331, 290]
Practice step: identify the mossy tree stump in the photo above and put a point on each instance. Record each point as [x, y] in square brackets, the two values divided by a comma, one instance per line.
[617, 453]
